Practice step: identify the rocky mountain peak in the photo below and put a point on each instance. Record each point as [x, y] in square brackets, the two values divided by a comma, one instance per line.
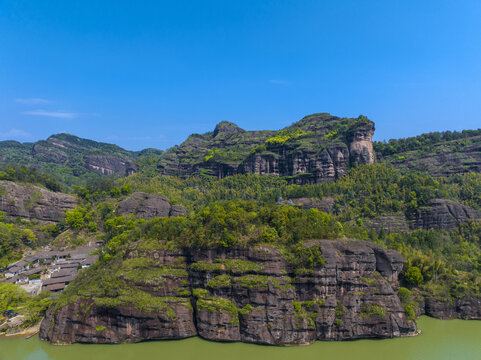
[226, 127]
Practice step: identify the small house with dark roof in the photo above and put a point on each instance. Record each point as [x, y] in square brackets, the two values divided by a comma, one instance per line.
[69, 266]
[64, 272]
[55, 288]
[15, 270]
[90, 260]
[57, 280]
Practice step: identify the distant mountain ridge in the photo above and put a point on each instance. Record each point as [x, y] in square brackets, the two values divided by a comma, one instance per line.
[319, 147]
[70, 157]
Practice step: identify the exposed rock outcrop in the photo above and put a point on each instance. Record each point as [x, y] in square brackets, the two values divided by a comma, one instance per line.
[227, 128]
[361, 150]
[249, 295]
[465, 308]
[108, 165]
[85, 322]
[443, 214]
[304, 166]
[44, 151]
[387, 222]
[324, 205]
[313, 166]
[146, 206]
[177, 210]
[33, 202]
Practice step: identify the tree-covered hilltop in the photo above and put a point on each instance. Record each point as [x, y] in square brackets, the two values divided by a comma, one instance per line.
[250, 211]
[447, 258]
[437, 153]
[396, 146]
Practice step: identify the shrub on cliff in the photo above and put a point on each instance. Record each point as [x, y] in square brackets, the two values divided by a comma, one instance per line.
[413, 276]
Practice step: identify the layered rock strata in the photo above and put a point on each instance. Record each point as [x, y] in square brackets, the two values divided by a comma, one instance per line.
[438, 214]
[441, 214]
[313, 166]
[108, 165]
[33, 202]
[465, 308]
[250, 295]
[147, 206]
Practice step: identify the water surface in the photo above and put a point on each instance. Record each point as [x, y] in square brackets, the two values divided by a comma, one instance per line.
[440, 340]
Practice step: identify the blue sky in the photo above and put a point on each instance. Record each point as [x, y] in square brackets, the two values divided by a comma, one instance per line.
[148, 73]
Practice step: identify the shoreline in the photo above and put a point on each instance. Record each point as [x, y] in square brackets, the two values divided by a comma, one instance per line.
[31, 331]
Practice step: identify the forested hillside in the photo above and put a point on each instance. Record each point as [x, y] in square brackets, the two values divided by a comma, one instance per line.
[437, 153]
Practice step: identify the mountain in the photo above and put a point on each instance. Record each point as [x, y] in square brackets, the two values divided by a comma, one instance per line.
[318, 148]
[70, 157]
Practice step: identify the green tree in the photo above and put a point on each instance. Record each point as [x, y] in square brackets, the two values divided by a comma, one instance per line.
[413, 276]
[75, 218]
[126, 189]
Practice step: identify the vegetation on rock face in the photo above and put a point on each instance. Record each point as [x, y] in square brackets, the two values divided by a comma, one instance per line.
[106, 287]
[29, 175]
[285, 135]
[220, 281]
[214, 154]
[370, 310]
[408, 301]
[236, 266]
[396, 146]
[437, 153]
[219, 305]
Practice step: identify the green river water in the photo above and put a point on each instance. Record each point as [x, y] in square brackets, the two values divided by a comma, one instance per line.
[440, 340]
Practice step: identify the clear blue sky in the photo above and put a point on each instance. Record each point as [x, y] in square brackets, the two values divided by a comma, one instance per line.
[148, 73]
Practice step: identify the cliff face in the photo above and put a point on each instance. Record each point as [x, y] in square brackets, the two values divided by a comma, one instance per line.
[108, 165]
[33, 202]
[320, 147]
[437, 214]
[147, 206]
[249, 295]
[311, 166]
[443, 214]
[465, 308]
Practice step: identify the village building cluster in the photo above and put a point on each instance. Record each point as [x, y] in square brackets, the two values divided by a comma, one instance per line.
[49, 270]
